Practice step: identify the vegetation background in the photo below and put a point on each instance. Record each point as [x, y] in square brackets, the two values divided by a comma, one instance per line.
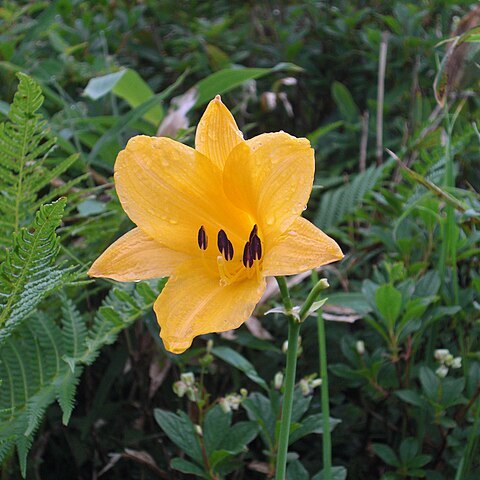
[387, 94]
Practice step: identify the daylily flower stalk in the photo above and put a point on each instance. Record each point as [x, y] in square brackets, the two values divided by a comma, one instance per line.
[217, 220]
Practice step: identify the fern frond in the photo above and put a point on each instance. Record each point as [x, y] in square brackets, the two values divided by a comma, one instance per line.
[122, 306]
[29, 272]
[24, 146]
[337, 203]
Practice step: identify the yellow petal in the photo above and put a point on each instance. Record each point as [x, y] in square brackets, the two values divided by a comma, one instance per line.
[170, 191]
[271, 175]
[135, 256]
[194, 303]
[217, 133]
[302, 247]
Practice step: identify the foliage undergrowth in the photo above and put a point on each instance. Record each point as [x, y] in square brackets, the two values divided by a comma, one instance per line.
[87, 387]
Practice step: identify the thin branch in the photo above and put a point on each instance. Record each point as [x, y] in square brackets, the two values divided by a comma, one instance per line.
[382, 62]
[364, 142]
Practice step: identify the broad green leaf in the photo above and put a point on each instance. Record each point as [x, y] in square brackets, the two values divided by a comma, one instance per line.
[338, 473]
[215, 427]
[185, 466]
[389, 304]
[386, 454]
[296, 471]
[181, 431]
[239, 436]
[411, 397]
[430, 382]
[408, 450]
[311, 424]
[238, 361]
[128, 85]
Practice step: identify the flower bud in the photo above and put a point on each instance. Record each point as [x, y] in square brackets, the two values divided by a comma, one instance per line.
[316, 382]
[209, 345]
[442, 371]
[360, 346]
[188, 378]
[206, 360]
[278, 381]
[180, 388]
[243, 392]
[323, 284]
[199, 430]
[448, 360]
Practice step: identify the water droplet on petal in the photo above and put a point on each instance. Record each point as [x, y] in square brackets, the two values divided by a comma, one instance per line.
[270, 220]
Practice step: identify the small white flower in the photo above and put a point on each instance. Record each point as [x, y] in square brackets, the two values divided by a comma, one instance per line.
[457, 362]
[440, 354]
[448, 360]
[224, 405]
[442, 371]
[188, 378]
[180, 388]
[360, 346]
[305, 387]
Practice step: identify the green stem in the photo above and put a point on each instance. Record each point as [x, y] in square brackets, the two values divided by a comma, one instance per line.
[293, 332]
[327, 440]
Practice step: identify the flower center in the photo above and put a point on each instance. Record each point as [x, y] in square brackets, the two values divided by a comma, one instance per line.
[230, 267]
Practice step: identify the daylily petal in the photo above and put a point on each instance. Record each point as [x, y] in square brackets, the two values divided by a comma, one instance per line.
[194, 303]
[302, 247]
[170, 191]
[217, 133]
[271, 176]
[135, 256]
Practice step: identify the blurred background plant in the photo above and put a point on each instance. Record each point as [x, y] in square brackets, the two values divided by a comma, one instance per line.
[403, 344]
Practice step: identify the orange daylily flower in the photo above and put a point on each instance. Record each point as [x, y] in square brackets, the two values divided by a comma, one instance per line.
[217, 220]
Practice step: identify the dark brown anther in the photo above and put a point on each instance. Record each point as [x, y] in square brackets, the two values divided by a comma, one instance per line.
[202, 238]
[225, 245]
[256, 247]
[247, 255]
[253, 233]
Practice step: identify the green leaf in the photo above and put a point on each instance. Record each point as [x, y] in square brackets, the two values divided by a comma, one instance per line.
[408, 450]
[126, 121]
[430, 382]
[128, 85]
[386, 454]
[185, 466]
[181, 431]
[389, 304]
[229, 78]
[29, 272]
[323, 130]
[338, 473]
[345, 103]
[296, 471]
[259, 410]
[411, 397]
[311, 424]
[215, 427]
[236, 360]
[337, 203]
[239, 436]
